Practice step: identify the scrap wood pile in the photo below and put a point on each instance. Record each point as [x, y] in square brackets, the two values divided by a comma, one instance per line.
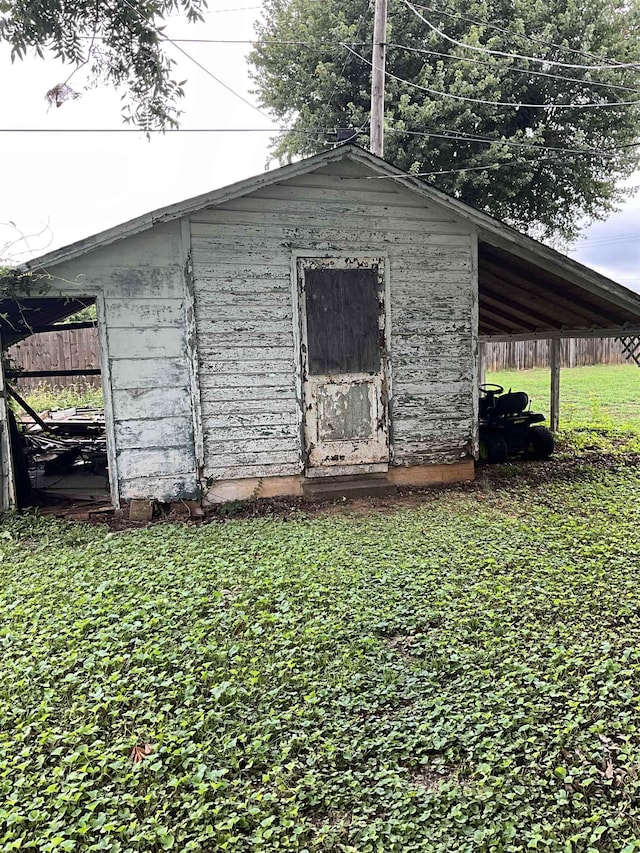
[58, 441]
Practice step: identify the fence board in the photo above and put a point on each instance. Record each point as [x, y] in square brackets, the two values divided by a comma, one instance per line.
[67, 349]
[574, 352]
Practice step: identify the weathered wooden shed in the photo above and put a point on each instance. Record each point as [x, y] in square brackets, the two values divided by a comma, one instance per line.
[318, 321]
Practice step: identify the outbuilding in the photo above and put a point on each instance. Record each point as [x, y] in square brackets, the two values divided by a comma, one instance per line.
[321, 320]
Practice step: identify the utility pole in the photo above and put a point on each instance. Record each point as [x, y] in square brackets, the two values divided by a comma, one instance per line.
[377, 78]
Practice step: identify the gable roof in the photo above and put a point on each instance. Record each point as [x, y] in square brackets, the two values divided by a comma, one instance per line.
[608, 307]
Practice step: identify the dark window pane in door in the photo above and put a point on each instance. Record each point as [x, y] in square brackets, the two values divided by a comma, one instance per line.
[342, 321]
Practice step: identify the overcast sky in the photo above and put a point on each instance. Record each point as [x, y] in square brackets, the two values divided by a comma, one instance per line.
[60, 187]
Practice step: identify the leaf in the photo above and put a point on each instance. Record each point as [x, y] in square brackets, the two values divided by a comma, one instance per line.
[139, 752]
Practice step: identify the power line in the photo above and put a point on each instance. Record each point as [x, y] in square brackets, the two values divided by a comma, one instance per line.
[450, 56]
[516, 105]
[480, 49]
[469, 137]
[488, 168]
[320, 46]
[493, 26]
[161, 35]
[329, 102]
[219, 11]
[458, 136]
[605, 241]
[325, 45]
[156, 130]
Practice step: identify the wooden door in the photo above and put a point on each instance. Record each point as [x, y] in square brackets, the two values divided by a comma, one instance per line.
[343, 366]
[7, 482]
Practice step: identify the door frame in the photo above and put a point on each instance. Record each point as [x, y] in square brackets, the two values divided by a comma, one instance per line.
[7, 474]
[370, 258]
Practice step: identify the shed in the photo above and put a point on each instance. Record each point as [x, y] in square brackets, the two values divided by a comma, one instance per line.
[321, 320]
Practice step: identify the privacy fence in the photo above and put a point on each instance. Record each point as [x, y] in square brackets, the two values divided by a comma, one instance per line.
[71, 349]
[575, 352]
[68, 349]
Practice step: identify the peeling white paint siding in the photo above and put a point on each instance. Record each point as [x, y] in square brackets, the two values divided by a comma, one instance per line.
[242, 255]
[142, 284]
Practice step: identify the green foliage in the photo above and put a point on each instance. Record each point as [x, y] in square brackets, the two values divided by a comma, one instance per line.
[120, 43]
[83, 315]
[311, 82]
[14, 284]
[461, 677]
[46, 397]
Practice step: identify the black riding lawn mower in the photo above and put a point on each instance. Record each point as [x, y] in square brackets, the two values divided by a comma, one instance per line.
[508, 428]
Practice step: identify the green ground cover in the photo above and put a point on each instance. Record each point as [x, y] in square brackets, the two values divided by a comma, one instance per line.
[460, 674]
[602, 396]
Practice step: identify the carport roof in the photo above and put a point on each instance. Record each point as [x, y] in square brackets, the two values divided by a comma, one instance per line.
[20, 318]
[526, 290]
[524, 295]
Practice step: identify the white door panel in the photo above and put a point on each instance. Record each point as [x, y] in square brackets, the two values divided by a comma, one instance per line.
[343, 365]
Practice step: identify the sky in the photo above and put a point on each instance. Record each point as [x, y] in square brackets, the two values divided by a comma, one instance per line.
[59, 187]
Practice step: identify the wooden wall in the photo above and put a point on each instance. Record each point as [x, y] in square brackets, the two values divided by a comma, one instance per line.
[242, 263]
[140, 284]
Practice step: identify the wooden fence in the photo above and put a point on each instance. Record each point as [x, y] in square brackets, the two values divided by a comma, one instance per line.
[68, 349]
[71, 349]
[575, 352]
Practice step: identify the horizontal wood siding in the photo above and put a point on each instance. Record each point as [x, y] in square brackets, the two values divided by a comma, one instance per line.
[142, 279]
[242, 259]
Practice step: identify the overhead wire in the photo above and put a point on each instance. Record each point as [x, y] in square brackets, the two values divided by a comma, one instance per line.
[469, 137]
[458, 136]
[203, 68]
[541, 60]
[514, 104]
[487, 168]
[546, 74]
[493, 26]
[329, 103]
[320, 46]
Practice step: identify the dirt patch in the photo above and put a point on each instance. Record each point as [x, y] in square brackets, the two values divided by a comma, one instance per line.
[489, 481]
[431, 778]
[402, 644]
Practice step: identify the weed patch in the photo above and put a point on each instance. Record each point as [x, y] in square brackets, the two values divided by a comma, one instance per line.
[457, 676]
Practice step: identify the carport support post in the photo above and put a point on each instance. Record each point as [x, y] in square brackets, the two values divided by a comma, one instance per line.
[554, 360]
[482, 363]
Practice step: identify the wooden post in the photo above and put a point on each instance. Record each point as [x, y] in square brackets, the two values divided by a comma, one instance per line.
[554, 359]
[377, 78]
[7, 476]
[482, 363]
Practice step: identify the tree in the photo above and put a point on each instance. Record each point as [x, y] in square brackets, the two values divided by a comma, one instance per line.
[544, 167]
[119, 42]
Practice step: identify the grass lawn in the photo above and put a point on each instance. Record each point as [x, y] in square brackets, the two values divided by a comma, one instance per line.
[458, 674]
[603, 396]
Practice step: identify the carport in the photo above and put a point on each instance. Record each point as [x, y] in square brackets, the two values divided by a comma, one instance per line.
[543, 295]
[21, 317]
